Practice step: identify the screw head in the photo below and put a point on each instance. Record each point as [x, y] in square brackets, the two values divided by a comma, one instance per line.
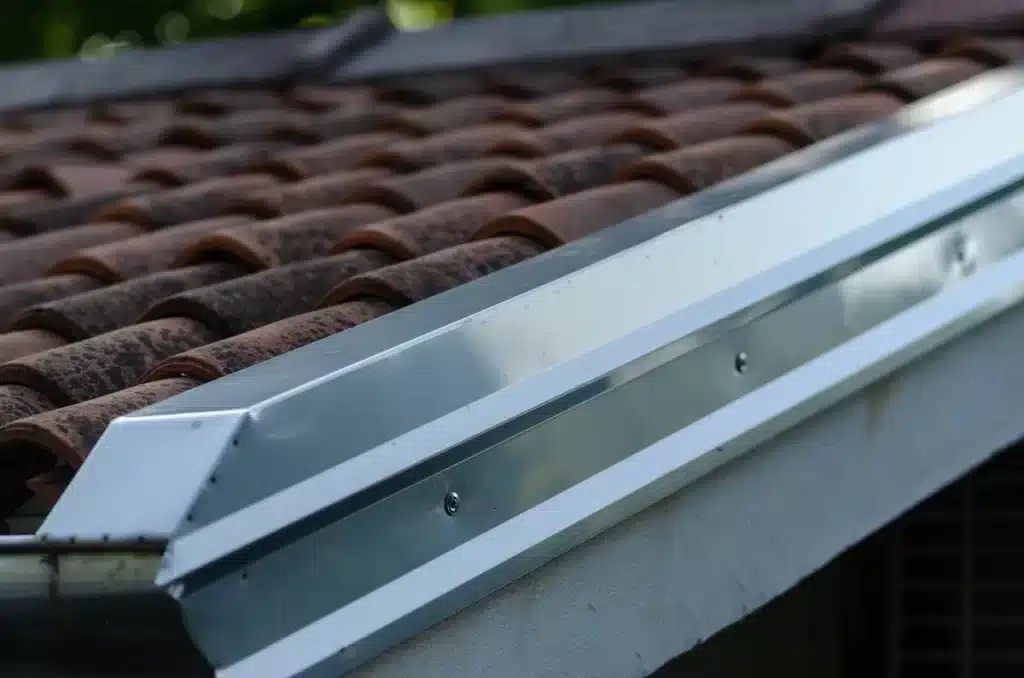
[962, 255]
[741, 362]
[451, 503]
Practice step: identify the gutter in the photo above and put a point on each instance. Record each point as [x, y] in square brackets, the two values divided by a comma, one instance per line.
[89, 602]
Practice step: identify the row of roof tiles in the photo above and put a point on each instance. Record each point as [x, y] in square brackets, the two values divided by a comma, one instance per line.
[149, 247]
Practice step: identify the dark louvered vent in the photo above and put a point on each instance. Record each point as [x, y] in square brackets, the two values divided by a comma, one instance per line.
[957, 574]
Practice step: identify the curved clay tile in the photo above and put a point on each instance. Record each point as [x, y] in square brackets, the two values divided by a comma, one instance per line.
[529, 83]
[627, 78]
[109, 308]
[582, 132]
[447, 115]
[245, 303]
[807, 124]
[411, 281]
[162, 156]
[315, 99]
[463, 144]
[693, 127]
[105, 363]
[326, 158]
[434, 228]
[40, 216]
[202, 200]
[22, 197]
[347, 122]
[37, 120]
[68, 434]
[558, 175]
[695, 168]
[19, 463]
[420, 90]
[242, 128]
[869, 58]
[926, 78]
[17, 402]
[560, 221]
[19, 343]
[224, 357]
[143, 254]
[410, 192]
[111, 142]
[284, 240]
[749, 68]
[213, 102]
[123, 112]
[72, 181]
[682, 96]
[989, 51]
[24, 259]
[16, 298]
[802, 87]
[188, 167]
[327, 190]
[562, 106]
[35, 144]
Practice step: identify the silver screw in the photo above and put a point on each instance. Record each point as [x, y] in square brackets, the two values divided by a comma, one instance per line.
[962, 254]
[451, 503]
[741, 362]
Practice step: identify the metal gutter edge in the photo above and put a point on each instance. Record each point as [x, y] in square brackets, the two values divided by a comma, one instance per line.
[336, 508]
[266, 60]
[367, 46]
[611, 31]
[87, 602]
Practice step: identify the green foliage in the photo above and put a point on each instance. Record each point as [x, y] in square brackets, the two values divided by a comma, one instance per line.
[47, 29]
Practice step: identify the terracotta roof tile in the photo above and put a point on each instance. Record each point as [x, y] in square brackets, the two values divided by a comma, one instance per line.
[245, 303]
[435, 228]
[409, 192]
[284, 240]
[558, 175]
[68, 434]
[147, 247]
[89, 314]
[695, 168]
[693, 127]
[927, 77]
[221, 358]
[560, 221]
[143, 254]
[106, 363]
[17, 297]
[417, 279]
[582, 132]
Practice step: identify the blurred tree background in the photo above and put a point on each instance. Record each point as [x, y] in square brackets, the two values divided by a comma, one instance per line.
[47, 29]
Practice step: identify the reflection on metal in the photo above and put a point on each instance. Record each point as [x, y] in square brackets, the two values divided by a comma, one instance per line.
[332, 502]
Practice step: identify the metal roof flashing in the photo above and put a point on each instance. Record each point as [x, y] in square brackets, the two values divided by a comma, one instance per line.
[448, 485]
[366, 46]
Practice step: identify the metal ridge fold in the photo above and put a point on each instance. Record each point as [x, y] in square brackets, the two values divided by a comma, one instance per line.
[381, 479]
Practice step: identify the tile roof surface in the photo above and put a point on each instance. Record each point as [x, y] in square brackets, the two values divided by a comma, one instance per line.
[149, 247]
